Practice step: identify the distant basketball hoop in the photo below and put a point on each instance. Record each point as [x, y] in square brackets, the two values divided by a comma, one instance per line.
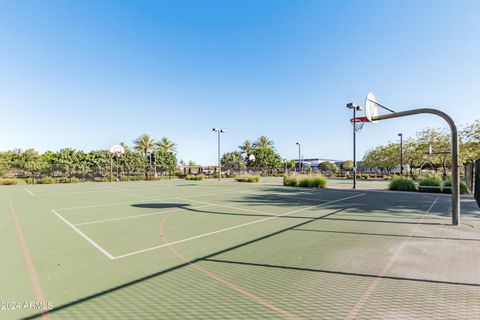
[117, 150]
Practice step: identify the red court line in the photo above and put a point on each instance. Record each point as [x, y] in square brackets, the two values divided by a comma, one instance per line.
[223, 281]
[28, 260]
[362, 301]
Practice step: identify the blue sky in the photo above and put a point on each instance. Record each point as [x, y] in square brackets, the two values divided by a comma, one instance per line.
[88, 74]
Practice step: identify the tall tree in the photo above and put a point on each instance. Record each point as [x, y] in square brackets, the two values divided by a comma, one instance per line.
[233, 161]
[165, 145]
[247, 148]
[144, 144]
[470, 138]
[267, 159]
[166, 161]
[263, 142]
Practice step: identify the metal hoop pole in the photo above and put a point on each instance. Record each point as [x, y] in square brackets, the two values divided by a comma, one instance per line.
[454, 140]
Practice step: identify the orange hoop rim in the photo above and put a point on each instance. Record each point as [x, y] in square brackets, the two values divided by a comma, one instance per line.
[359, 119]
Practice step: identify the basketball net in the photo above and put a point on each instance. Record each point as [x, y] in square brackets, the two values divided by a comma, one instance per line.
[358, 123]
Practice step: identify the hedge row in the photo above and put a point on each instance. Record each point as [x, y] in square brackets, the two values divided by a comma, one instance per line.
[195, 177]
[427, 184]
[247, 178]
[317, 181]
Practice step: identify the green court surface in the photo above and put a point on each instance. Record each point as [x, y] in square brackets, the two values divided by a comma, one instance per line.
[177, 249]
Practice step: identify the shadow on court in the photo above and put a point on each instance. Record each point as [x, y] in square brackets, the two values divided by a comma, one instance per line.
[406, 206]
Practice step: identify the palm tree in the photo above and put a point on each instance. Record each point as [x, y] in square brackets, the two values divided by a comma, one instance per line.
[247, 148]
[263, 142]
[165, 145]
[124, 145]
[143, 144]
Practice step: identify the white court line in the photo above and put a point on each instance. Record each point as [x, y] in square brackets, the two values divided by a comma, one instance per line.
[83, 235]
[149, 200]
[234, 227]
[138, 216]
[29, 192]
[71, 193]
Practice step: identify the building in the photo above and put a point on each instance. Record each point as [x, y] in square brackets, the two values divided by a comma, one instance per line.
[314, 162]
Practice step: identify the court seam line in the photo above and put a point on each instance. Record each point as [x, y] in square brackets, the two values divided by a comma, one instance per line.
[360, 304]
[112, 204]
[28, 260]
[83, 235]
[137, 216]
[233, 227]
[29, 192]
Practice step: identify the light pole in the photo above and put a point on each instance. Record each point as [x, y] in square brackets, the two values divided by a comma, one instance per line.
[355, 108]
[299, 157]
[401, 154]
[155, 161]
[219, 131]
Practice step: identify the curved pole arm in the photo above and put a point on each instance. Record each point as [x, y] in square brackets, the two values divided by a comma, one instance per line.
[455, 160]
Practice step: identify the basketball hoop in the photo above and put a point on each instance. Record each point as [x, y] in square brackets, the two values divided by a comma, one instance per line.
[117, 150]
[358, 123]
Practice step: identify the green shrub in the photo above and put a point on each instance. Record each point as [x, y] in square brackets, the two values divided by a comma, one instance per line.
[289, 181]
[215, 175]
[448, 184]
[426, 182]
[46, 180]
[62, 180]
[312, 182]
[303, 182]
[8, 182]
[402, 184]
[75, 180]
[247, 178]
[195, 177]
[136, 178]
[318, 182]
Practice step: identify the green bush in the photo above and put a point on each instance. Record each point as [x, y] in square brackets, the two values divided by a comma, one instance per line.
[463, 187]
[136, 178]
[317, 181]
[247, 178]
[402, 184]
[426, 182]
[303, 182]
[8, 182]
[46, 180]
[195, 177]
[215, 175]
[289, 181]
[62, 180]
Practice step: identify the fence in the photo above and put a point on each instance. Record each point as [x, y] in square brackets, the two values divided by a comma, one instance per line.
[476, 186]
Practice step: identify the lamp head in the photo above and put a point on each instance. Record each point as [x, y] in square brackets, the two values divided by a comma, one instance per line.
[355, 106]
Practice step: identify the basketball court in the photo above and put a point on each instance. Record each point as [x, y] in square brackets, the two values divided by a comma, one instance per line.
[178, 249]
